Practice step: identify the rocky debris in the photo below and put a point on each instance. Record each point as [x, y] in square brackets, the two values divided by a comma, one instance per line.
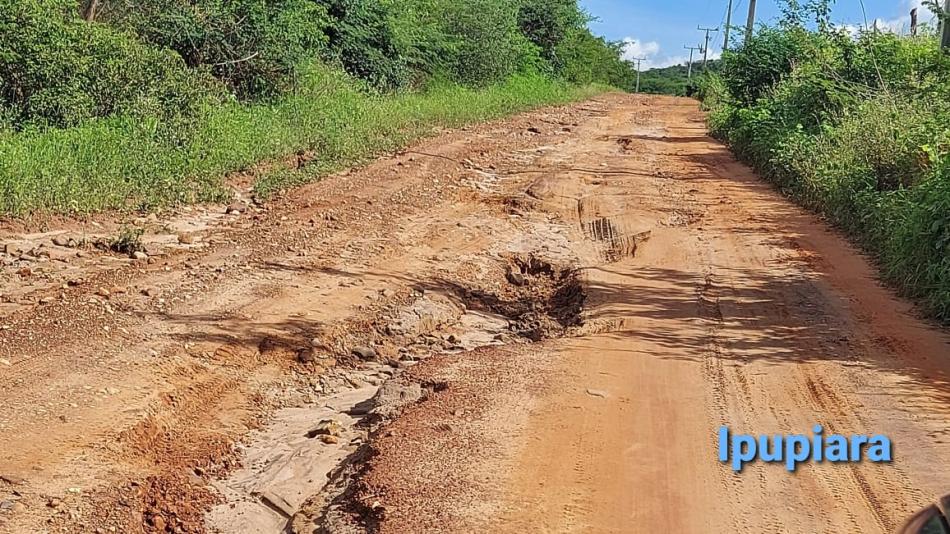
[139, 255]
[306, 355]
[186, 238]
[427, 314]
[276, 501]
[516, 278]
[394, 395]
[365, 353]
[327, 427]
[236, 208]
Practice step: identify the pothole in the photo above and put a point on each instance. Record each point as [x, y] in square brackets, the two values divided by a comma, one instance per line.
[286, 466]
[540, 299]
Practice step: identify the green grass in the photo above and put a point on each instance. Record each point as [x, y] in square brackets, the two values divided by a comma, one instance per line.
[129, 163]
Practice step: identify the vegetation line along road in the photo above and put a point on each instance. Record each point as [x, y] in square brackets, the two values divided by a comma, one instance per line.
[856, 127]
[148, 104]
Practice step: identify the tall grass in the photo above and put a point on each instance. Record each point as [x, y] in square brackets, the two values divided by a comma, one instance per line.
[873, 159]
[143, 163]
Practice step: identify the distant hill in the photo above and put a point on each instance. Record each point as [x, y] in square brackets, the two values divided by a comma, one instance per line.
[671, 80]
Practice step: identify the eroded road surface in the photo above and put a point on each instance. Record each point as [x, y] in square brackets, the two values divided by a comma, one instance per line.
[531, 325]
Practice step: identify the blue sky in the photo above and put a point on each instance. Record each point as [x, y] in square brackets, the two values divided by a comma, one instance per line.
[658, 29]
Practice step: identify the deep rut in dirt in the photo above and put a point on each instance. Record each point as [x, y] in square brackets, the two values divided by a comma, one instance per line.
[133, 389]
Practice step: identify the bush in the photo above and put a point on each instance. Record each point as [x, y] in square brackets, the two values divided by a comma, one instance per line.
[254, 47]
[57, 70]
[361, 39]
[855, 129]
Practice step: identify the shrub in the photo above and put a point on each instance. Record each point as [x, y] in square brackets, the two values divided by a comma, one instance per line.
[58, 70]
[855, 129]
[362, 40]
[254, 47]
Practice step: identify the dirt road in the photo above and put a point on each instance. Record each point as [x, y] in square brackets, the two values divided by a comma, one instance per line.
[535, 325]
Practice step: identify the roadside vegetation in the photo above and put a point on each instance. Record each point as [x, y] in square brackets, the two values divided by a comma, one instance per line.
[856, 127]
[121, 104]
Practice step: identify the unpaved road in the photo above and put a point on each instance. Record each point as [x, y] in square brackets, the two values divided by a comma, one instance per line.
[590, 291]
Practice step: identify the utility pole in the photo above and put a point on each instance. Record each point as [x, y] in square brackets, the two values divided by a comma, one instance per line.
[944, 27]
[638, 60]
[689, 68]
[706, 46]
[725, 42]
[750, 24]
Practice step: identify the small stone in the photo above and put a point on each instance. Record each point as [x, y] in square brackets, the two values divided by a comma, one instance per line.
[158, 522]
[236, 208]
[516, 278]
[306, 355]
[47, 300]
[330, 440]
[139, 255]
[327, 427]
[61, 241]
[597, 393]
[103, 292]
[186, 238]
[364, 353]
[5, 362]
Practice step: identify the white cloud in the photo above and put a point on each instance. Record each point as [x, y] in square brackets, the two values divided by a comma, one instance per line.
[634, 48]
[653, 59]
[899, 24]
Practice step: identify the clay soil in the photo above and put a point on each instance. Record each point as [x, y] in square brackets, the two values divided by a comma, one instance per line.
[579, 296]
